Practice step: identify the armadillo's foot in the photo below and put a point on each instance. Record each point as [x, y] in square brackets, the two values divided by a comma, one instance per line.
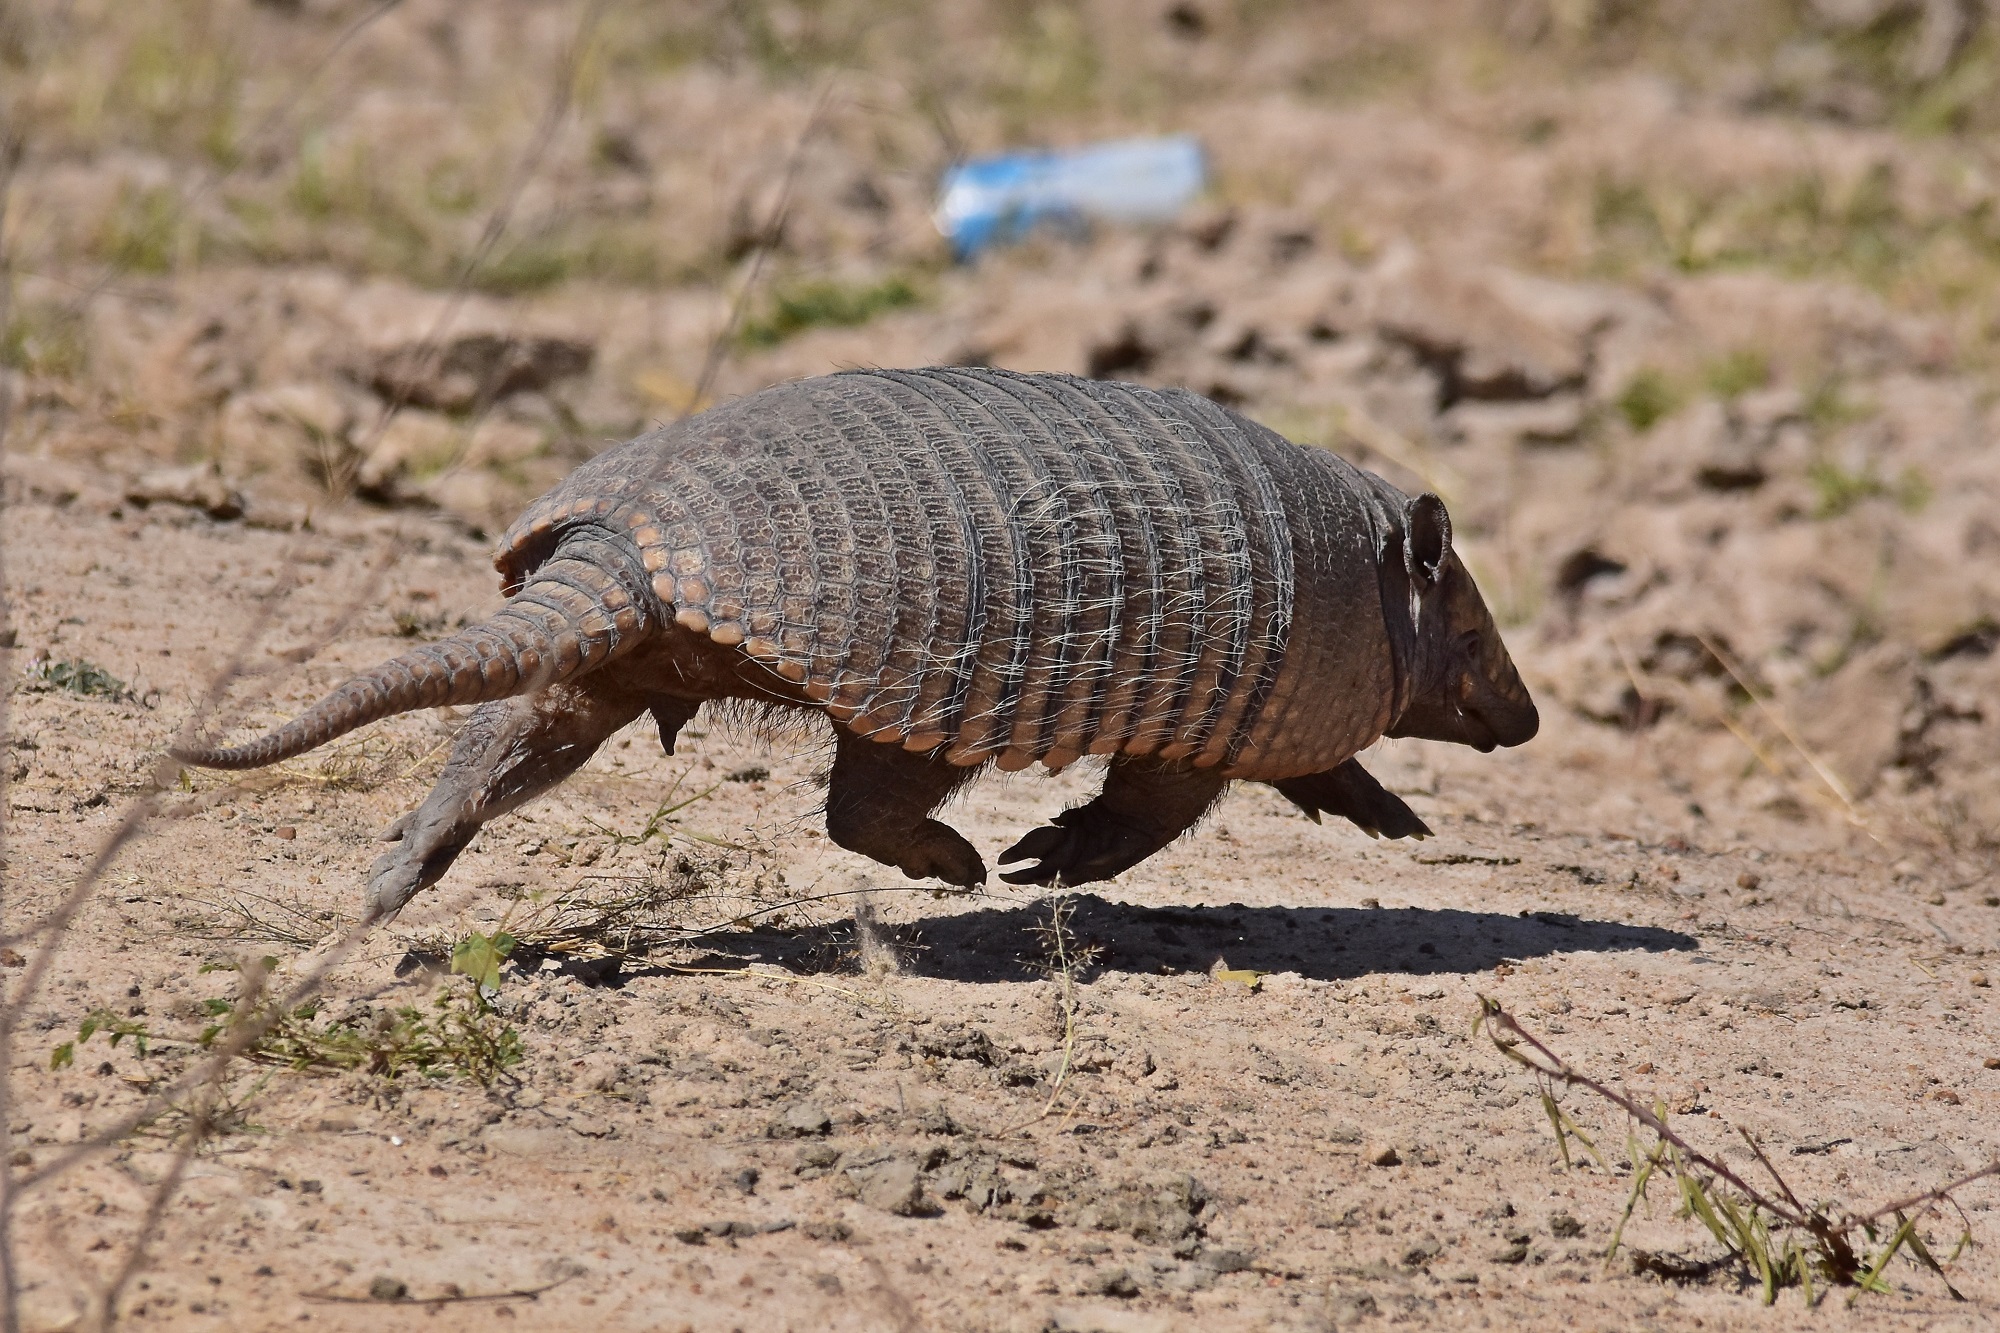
[510, 751]
[1144, 806]
[1083, 845]
[939, 851]
[1351, 792]
[878, 803]
[417, 863]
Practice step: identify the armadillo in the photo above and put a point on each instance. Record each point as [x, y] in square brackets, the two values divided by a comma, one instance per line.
[960, 567]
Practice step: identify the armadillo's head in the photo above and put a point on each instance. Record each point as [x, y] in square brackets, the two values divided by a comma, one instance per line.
[1460, 685]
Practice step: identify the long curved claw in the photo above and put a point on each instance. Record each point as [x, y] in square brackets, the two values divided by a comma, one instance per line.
[1352, 793]
[1081, 847]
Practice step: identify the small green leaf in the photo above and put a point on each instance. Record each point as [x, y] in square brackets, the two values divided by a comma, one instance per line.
[480, 956]
[63, 1056]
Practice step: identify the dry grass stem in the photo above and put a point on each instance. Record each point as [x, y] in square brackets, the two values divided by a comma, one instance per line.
[1778, 1239]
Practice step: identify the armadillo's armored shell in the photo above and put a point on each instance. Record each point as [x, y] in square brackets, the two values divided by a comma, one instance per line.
[991, 564]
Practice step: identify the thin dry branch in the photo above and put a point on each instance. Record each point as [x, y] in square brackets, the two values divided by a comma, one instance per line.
[1065, 962]
[767, 240]
[1837, 1243]
[1784, 728]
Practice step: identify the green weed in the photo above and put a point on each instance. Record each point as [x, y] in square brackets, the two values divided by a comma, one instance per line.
[1052, 66]
[147, 232]
[1736, 373]
[458, 1035]
[1831, 407]
[1649, 398]
[46, 340]
[1866, 230]
[116, 1026]
[1837, 489]
[75, 676]
[821, 304]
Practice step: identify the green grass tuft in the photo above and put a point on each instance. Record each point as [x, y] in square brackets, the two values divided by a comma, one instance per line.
[1649, 398]
[1736, 373]
[825, 304]
[46, 340]
[1837, 490]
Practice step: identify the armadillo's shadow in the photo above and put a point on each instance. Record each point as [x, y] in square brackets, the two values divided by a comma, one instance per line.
[1324, 943]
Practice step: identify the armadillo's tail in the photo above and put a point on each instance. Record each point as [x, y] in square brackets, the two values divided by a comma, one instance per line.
[575, 613]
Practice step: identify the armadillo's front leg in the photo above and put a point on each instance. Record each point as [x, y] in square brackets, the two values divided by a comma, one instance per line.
[511, 751]
[1352, 792]
[1145, 805]
[878, 803]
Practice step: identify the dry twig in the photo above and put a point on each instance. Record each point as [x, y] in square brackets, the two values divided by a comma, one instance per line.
[1779, 1239]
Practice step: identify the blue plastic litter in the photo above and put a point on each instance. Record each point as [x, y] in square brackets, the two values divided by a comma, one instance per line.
[988, 201]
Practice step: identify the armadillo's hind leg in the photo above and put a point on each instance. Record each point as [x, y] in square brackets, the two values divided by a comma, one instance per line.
[878, 803]
[1145, 805]
[1351, 792]
[511, 751]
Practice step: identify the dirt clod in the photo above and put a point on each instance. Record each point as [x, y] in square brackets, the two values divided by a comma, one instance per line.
[894, 1186]
[800, 1121]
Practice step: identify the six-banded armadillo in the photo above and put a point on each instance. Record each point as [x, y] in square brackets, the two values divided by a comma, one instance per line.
[957, 567]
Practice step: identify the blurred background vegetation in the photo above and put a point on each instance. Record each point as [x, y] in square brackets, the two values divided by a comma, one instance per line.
[171, 136]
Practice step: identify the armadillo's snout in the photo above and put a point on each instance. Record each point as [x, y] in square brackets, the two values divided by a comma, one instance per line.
[1514, 722]
[1498, 697]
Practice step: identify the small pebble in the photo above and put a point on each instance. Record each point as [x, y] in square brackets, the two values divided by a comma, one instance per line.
[1980, 979]
[1749, 879]
[285, 832]
[1385, 1156]
[386, 1288]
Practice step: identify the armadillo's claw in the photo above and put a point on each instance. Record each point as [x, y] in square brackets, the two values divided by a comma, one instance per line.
[1083, 846]
[1352, 793]
[939, 851]
[423, 851]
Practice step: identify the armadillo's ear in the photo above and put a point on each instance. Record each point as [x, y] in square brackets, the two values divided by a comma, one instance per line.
[1429, 539]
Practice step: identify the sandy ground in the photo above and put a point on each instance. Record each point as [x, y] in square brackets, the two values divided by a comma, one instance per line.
[861, 1143]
